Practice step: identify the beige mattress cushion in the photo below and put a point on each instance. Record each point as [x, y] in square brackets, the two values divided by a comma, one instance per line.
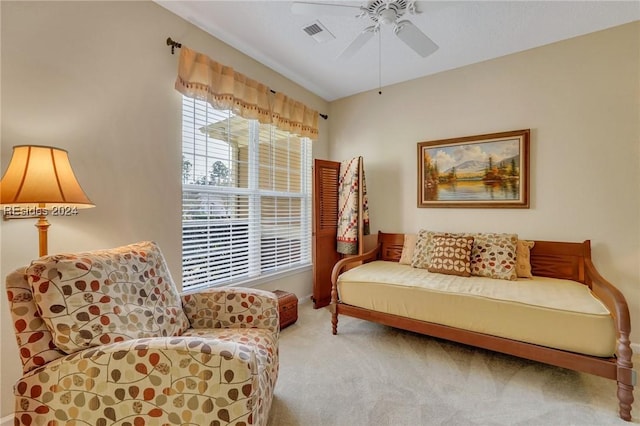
[550, 312]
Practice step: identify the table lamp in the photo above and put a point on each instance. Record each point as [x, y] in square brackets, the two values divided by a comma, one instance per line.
[39, 182]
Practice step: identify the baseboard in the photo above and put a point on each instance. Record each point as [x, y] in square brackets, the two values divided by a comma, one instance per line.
[7, 420]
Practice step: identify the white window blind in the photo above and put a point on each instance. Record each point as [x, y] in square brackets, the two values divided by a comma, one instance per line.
[246, 198]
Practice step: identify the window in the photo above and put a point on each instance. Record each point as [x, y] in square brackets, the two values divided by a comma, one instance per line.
[246, 198]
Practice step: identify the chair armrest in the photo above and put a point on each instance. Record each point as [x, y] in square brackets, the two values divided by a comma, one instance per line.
[615, 301]
[363, 258]
[232, 307]
[153, 378]
[610, 296]
[342, 264]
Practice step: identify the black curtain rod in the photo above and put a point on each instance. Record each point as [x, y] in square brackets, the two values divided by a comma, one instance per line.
[175, 45]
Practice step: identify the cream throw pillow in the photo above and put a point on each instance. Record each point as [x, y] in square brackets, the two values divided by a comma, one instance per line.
[523, 258]
[408, 248]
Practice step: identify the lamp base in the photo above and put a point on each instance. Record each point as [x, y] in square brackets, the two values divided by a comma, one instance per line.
[43, 225]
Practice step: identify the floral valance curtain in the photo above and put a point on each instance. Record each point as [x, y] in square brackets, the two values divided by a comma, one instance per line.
[200, 77]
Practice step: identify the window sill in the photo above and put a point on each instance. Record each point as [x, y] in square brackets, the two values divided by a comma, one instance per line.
[253, 282]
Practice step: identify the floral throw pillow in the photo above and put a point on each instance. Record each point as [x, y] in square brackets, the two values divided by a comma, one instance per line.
[424, 247]
[494, 256]
[451, 255]
[100, 297]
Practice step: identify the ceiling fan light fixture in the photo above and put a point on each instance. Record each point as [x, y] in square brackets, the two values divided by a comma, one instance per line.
[387, 16]
[380, 12]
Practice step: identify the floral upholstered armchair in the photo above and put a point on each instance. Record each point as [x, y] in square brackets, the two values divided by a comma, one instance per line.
[105, 339]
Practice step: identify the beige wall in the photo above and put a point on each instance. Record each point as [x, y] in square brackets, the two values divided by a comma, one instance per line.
[580, 98]
[96, 78]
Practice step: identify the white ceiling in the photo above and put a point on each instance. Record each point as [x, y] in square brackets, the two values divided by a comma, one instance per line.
[466, 31]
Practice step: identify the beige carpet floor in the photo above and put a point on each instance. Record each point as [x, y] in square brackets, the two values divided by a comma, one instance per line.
[373, 375]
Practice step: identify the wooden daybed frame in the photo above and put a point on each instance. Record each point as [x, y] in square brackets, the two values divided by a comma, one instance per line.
[548, 259]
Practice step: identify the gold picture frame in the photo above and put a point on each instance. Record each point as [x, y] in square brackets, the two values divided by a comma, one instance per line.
[482, 171]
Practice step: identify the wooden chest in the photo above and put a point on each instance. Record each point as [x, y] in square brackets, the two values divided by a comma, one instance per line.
[288, 307]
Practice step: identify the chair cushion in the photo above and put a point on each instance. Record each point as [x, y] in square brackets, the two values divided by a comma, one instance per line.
[99, 297]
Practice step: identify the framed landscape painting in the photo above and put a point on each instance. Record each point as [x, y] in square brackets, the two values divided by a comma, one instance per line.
[482, 171]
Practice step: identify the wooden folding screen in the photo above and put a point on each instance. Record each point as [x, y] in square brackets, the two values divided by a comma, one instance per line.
[325, 227]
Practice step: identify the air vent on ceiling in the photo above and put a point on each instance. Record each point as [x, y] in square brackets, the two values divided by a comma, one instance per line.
[318, 32]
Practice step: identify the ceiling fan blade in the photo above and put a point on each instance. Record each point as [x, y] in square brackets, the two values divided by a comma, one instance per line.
[415, 39]
[314, 9]
[357, 44]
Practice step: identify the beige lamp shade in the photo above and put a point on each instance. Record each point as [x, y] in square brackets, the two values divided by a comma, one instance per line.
[41, 176]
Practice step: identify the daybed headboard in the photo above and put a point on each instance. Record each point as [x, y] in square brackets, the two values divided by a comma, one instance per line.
[548, 258]
[391, 246]
[560, 260]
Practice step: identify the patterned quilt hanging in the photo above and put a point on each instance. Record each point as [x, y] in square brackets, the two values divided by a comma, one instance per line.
[349, 207]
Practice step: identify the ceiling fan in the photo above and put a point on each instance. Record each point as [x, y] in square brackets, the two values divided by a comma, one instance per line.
[380, 12]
